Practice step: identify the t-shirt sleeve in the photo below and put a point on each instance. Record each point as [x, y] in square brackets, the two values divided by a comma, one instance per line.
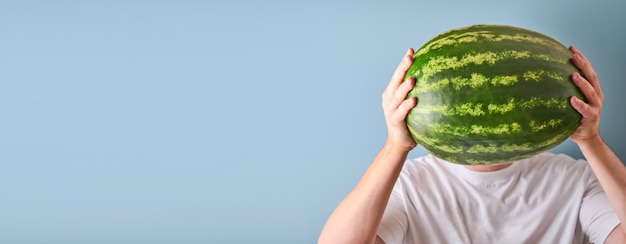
[596, 216]
[394, 222]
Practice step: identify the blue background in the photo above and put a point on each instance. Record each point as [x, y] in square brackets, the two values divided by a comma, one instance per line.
[238, 122]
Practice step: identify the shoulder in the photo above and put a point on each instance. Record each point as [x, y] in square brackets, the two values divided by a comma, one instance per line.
[425, 170]
[548, 162]
[562, 169]
[424, 165]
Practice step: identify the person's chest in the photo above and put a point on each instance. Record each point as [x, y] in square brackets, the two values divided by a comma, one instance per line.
[519, 209]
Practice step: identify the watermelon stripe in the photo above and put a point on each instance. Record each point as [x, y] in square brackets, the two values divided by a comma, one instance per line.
[484, 36]
[491, 148]
[484, 153]
[539, 75]
[483, 130]
[490, 33]
[534, 102]
[478, 109]
[509, 148]
[553, 123]
[488, 151]
[442, 63]
[476, 80]
[514, 147]
[475, 129]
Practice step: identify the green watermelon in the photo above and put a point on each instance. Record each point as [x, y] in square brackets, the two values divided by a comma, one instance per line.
[491, 94]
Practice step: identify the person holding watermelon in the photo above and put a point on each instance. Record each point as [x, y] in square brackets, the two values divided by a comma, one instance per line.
[547, 198]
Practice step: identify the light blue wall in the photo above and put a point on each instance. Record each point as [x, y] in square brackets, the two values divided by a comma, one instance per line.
[246, 122]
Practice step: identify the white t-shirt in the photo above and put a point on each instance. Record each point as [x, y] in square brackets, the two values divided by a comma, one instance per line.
[544, 199]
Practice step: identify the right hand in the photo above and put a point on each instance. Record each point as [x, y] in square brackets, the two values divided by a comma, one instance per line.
[396, 106]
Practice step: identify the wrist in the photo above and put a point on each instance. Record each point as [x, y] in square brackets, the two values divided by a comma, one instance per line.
[392, 147]
[595, 141]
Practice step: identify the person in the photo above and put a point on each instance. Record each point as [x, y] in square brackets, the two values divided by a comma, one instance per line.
[548, 198]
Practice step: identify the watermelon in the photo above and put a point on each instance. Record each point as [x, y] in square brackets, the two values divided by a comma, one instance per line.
[491, 94]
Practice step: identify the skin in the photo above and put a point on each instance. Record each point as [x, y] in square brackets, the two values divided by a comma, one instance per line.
[357, 217]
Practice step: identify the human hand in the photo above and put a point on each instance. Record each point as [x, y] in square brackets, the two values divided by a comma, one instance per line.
[589, 85]
[396, 106]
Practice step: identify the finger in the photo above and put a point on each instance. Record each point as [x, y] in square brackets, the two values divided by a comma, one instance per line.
[398, 74]
[584, 65]
[583, 108]
[404, 108]
[402, 92]
[587, 89]
[579, 59]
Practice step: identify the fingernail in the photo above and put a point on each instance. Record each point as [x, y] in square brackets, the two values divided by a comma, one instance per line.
[577, 57]
[410, 80]
[579, 77]
[576, 77]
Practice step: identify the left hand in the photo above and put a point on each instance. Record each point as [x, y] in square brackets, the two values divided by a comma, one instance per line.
[589, 85]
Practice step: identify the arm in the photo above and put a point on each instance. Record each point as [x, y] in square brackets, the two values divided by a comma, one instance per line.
[357, 217]
[607, 167]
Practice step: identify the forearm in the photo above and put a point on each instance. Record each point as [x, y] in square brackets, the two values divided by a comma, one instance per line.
[357, 218]
[611, 174]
